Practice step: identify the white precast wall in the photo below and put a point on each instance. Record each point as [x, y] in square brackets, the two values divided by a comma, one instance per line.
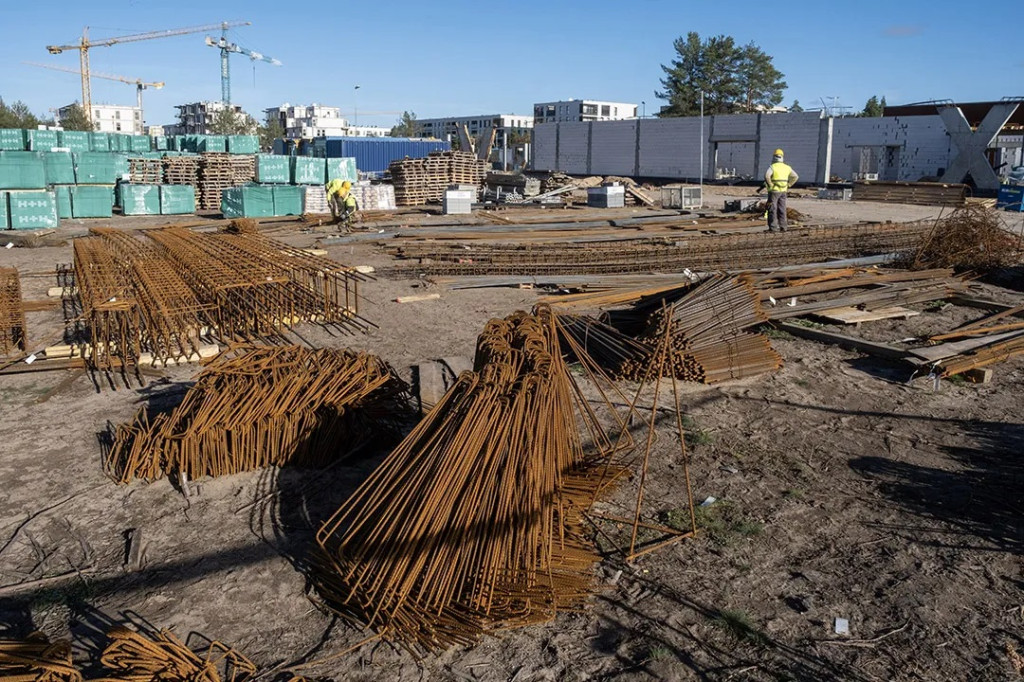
[613, 148]
[545, 148]
[670, 147]
[916, 146]
[802, 136]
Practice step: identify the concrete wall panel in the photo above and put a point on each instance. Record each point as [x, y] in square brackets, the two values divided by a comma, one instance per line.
[613, 148]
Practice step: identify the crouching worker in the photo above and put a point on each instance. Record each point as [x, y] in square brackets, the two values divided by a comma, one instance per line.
[343, 204]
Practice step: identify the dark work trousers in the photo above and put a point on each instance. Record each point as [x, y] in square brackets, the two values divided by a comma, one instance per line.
[776, 211]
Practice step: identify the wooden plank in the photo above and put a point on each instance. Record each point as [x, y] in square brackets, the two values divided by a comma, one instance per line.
[947, 350]
[848, 315]
[431, 384]
[881, 350]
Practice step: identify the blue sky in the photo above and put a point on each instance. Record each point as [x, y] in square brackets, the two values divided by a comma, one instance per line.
[457, 57]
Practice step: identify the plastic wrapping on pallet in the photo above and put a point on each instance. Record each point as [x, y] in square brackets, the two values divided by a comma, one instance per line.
[177, 199]
[243, 144]
[73, 140]
[32, 210]
[92, 201]
[5, 221]
[212, 143]
[273, 168]
[22, 170]
[63, 194]
[12, 139]
[139, 199]
[59, 168]
[99, 168]
[249, 201]
[314, 199]
[287, 200]
[307, 170]
[342, 168]
[40, 140]
[374, 197]
[160, 143]
[99, 142]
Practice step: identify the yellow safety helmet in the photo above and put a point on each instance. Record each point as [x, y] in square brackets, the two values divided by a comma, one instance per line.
[777, 152]
[346, 185]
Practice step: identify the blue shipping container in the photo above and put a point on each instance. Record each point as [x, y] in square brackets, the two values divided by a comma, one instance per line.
[1011, 198]
[374, 154]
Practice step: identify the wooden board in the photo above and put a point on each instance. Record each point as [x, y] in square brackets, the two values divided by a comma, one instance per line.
[948, 350]
[870, 347]
[850, 315]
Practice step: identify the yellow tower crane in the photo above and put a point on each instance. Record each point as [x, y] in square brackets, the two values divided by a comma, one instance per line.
[85, 44]
[139, 84]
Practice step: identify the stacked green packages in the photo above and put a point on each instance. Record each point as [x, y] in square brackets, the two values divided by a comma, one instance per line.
[22, 170]
[139, 199]
[140, 143]
[342, 168]
[307, 170]
[40, 140]
[248, 201]
[63, 194]
[177, 199]
[99, 142]
[60, 170]
[287, 200]
[273, 168]
[91, 201]
[32, 210]
[99, 168]
[73, 140]
[160, 143]
[212, 143]
[12, 139]
[5, 222]
[243, 144]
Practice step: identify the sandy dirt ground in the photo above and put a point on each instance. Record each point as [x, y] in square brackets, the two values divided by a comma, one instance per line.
[843, 490]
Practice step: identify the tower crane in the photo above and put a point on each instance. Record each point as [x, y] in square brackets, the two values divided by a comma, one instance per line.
[139, 84]
[85, 44]
[227, 48]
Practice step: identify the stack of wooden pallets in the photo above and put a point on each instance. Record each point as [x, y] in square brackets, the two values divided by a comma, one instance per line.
[419, 181]
[218, 172]
[146, 171]
[181, 170]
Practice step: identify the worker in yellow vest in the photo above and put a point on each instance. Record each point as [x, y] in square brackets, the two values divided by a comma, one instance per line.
[339, 198]
[778, 179]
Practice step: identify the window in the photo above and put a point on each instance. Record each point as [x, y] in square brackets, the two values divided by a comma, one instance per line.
[590, 110]
[551, 110]
[117, 127]
[117, 115]
[606, 110]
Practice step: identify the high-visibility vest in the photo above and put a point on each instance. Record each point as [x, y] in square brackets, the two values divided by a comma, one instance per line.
[780, 177]
[335, 186]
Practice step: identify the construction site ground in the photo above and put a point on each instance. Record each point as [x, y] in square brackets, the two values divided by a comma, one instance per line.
[843, 489]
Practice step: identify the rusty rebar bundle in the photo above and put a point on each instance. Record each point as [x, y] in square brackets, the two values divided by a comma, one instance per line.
[263, 407]
[135, 657]
[473, 523]
[35, 659]
[109, 307]
[707, 253]
[12, 313]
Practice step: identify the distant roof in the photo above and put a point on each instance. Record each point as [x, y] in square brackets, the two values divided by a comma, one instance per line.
[974, 112]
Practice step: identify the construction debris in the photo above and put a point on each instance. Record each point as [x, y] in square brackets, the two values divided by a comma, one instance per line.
[420, 181]
[263, 407]
[761, 207]
[970, 238]
[12, 313]
[474, 523]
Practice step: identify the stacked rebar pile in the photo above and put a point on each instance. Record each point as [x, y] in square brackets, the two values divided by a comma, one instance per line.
[473, 523]
[709, 332]
[265, 407]
[109, 306]
[12, 312]
[146, 171]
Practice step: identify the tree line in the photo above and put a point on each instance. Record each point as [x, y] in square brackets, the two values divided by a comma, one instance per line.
[733, 78]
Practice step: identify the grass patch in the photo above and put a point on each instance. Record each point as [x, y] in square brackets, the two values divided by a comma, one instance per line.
[934, 306]
[803, 383]
[957, 379]
[725, 525]
[804, 322]
[773, 333]
[693, 434]
[677, 519]
[73, 596]
[793, 494]
[658, 652]
[739, 625]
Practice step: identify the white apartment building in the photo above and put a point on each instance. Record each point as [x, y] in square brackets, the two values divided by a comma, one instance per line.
[582, 110]
[112, 118]
[448, 128]
[194, 118]
[367, 131]
[308, 121]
